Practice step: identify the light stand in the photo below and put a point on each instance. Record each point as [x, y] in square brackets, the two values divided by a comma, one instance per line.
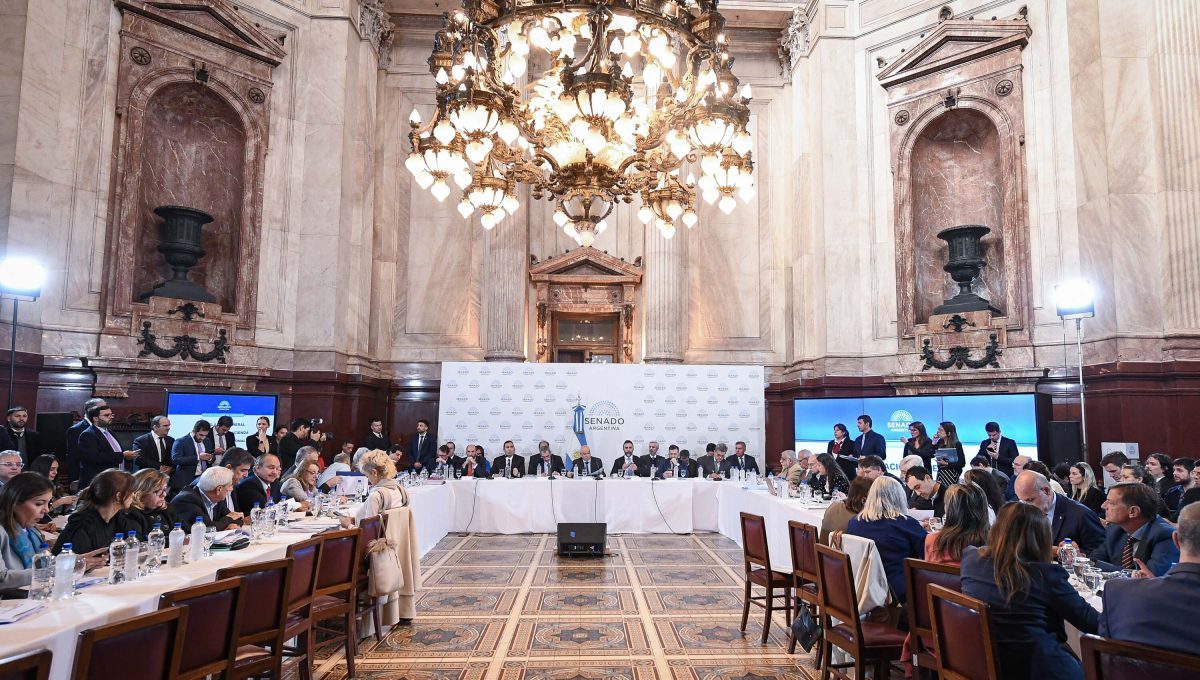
[20, 279]
[1075, 300]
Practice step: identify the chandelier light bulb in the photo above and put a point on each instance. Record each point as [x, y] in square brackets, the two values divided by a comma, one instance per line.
[415, 117]
[667, 230]
[652, 75]
[745, 93]
[586, 238]
[674, 210]
[645, 214]
[561, 219]
[465, 209]
[710, 164]
[413, 163]
[444, 132]
[633, 42]
[424, 179]
[741, 143]
[690, 219]
[727, 204]
[462, 179]
[510, 204]
[601, 226]
[440, 190]
[477, 151]
[442, 77]
[488, 220]
[538, 37]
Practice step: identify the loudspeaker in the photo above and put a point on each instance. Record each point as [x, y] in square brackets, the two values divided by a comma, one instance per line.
[1066, 443]
[52, 428]
[582, 540]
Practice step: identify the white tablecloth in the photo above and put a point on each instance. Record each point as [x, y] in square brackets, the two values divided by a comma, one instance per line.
[432, 505]
[733, 500]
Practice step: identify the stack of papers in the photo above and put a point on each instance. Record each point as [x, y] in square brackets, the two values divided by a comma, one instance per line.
[12, 611]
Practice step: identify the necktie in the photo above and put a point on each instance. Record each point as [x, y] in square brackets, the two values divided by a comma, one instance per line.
[158, 443]
[201, 466]
[420, 443]
[20, 441]
[471, 469]
[1127, 553]
[115, 447]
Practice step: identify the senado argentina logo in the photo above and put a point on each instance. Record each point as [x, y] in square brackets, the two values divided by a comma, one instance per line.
[603, 415]
[899, 421]
[223, 405]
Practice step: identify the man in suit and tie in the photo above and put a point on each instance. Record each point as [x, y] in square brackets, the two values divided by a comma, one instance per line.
[587, 465]
[207, 500]
[1068, 518]
[73, 464]
[262, 485]
[508, 464]
[154, 447]
[648, 463]
[712, 463]
[1000, 450]
[21, 438]
[220, 439]
[445, 463]
[548, 464]
[1136, 536]
[674, 466]
[422, 448]
[376, 439]
[190, 456]
[869, 442]
[740, 460]
[625, 462]
[238, 461]
[99, 449]
[1149, 611]
[475, 464]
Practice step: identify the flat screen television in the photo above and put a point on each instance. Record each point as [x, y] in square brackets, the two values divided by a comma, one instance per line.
[1016, 414]
[185, 408]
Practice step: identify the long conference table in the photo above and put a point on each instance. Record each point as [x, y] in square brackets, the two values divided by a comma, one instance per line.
[481, 506]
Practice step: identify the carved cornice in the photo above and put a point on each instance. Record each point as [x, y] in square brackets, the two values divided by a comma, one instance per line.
[375, 26]
[955, 42]
[794, 40]
[213, 20]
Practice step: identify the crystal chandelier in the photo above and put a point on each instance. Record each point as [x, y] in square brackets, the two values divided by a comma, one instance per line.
[588, 103]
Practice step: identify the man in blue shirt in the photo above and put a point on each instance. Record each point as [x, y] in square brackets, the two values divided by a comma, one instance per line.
[1135, 532]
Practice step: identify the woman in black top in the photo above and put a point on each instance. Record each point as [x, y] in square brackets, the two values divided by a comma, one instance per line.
[918, 444]
[101, 513]
[830, 475]
[261, 442]
[1083, 488]
[150, 504]
[947, 438]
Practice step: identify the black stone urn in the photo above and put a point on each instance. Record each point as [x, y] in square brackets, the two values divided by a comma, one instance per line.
[965, 263]
[180, 244]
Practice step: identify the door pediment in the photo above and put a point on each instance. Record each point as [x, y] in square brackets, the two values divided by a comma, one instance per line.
[954, 42]
[586, 265]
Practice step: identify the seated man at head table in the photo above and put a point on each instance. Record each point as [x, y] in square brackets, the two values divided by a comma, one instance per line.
[261, 486]
[509, 463]
[790, 467]
[648, 464]
[712, 465]
[444, 464]
[588, 465]
[546, 464]
[475, 464]
[1136, 536]
[674, 466]
[207, 499]
[1152, 611]
[626, 464]
[740, 460]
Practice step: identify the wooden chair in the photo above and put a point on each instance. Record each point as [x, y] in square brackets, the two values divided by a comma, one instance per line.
[28, 666]
[1105, 659]
[919, 575]
[758, 572]
[372, 528]
[962, 636]
[802, 539]
[147, 647]
[305, 557]
[873, 643]
[218, 607]
[264, 615]
[336, 593]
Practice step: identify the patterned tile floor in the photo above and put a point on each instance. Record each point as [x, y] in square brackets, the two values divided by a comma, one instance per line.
[505, 607]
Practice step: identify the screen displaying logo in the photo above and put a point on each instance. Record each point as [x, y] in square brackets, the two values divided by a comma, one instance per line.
[899, 422]
[223, 405]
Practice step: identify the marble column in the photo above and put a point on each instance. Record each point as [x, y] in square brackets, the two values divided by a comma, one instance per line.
[505, 275]
[665, 285]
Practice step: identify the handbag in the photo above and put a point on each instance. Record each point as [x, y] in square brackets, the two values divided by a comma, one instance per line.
[383, 576]
[805, 628]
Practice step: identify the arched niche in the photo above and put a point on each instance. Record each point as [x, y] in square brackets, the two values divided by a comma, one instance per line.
[193, 151]
[955, 178]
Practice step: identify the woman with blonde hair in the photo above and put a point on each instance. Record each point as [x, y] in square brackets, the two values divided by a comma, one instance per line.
[884, 519]
[385, 494]
[1084, 488]
[150, 503]
[301, 484]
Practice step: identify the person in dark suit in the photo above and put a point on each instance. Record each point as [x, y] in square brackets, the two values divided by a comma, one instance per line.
[999, 449]
[1028, 596]
[262, 484]
[1148, 611]
[293, 441]
[475, 464]
[712, 464]
[20, 437]
[648, 463]
[918, 443]
[551, 464]
[154, 447]
[740, 460]
[376, 439]
[1136, 535]
[841, 448]
[1068, 519]
[71, 455]
[191, 456]
[674, 466]
[869, 442]
[99, 449]
[220, 438]
[207, 500]
[685, 461]
[928, 492]
[445, 463]
[508, 464]
[623, 461]
[422, 447]
[588, 465]
[261, 441]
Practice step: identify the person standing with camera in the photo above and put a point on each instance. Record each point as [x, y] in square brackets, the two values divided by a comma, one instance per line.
[297, 437]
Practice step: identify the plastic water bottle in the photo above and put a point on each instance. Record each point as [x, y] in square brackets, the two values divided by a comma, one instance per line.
[628, 473]
[196, 547]
[256, 522]
[116, 559]
[64, 573]
[175, 549]
[155, 541]
[43, 573]
[133, 551]
[1067, 554]
[281, 515]
[269, 519]
[683, 471]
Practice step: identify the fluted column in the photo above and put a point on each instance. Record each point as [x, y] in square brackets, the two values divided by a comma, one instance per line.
[504, 285]
[665, 294]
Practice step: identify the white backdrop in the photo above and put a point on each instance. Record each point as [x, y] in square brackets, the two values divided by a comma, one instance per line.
[605, 404]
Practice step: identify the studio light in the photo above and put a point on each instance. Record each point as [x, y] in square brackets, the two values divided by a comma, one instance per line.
[21, 278]
[1076, 300]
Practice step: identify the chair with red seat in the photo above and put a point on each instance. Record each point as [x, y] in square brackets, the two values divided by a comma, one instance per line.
[962, 636]
[218, 606]
[803, 539]
[154, 640]
[336, 593]
[264, 614]
[919, 575]
[1105, 659]
[302, 581]
[372, 529]
[868, 643]
[758, 572]
[30, 666]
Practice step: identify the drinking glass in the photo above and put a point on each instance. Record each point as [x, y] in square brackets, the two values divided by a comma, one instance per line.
[210, 536]
[1081, 565]
[1094, 578]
